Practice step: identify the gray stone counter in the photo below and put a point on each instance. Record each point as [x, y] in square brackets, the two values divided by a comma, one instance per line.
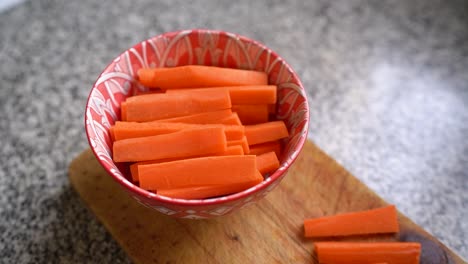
[387, 83]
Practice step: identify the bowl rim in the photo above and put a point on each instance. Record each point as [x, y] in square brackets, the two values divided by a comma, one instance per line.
[277, 175]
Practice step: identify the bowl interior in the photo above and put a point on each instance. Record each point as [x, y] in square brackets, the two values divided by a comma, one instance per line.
[202, 47]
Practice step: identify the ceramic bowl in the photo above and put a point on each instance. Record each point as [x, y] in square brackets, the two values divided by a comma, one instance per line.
[202, 47]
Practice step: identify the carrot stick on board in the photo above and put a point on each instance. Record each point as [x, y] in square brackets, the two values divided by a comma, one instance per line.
[266, 132]
[199, 76]
[266, 147]
[207, 191]
[230, 151]
[161, 106]
[267, 162]
[233, 119]
[220, 170]
[368, 252]
[125, 130]
[184, 143]
[375, 221]
[213, 117]
[243, 95]
[251, 114]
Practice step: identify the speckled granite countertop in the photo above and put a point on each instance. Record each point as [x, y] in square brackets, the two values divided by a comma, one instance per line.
[388, 86]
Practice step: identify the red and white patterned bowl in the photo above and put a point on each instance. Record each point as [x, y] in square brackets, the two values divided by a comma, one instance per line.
[204, 47]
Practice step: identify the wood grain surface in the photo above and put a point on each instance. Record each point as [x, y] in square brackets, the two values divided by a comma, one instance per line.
[270, 231]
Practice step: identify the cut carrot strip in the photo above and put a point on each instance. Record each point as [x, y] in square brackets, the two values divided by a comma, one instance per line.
[198, 172]
[243, 95]
[125, 130]
[267, 163]
[201, 192]
[134, 170]
[266, 147]
[233, 119]
[251, 114]
[253, 95]
[240, 142]
[199, 76]
[368, 252]
[111, 133]
[123, 111]
[234, 132]
[266, 132]
[230, 151]
[160, 106]
[184, 143]
[380, 220]
[214, 117]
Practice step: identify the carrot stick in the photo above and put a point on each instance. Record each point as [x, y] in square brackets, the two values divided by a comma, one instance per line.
[266, 132]
[125, 130]
[201, 192]
[242, 95]
[368, 253]
[214, 117]
[266, 147]
[380, 220]
[233, 119]
[251, 114]
[184, 143]
[219, 170]
[199, 76]
[111, 133]
[123, 111]
[230, 151]
[234, 132]
[240, 142]
[151, 107]
[267, 162]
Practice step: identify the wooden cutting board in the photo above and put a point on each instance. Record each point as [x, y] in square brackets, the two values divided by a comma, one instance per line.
[270, 231]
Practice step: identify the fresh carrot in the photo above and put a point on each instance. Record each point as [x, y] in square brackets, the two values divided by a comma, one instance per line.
[251, 114]
[111, 133]
[125, 130]
[266, 147]
[184, 143]
[199, 76]
[230, 151]
[368, 252]
[207, 191]
[233, 119]
[242, 95]
[266, 132]
[213, 117]
[123, 111]
[267, 162]
[220, 170]
[240, 142]
[160, 106]
[375, 221]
